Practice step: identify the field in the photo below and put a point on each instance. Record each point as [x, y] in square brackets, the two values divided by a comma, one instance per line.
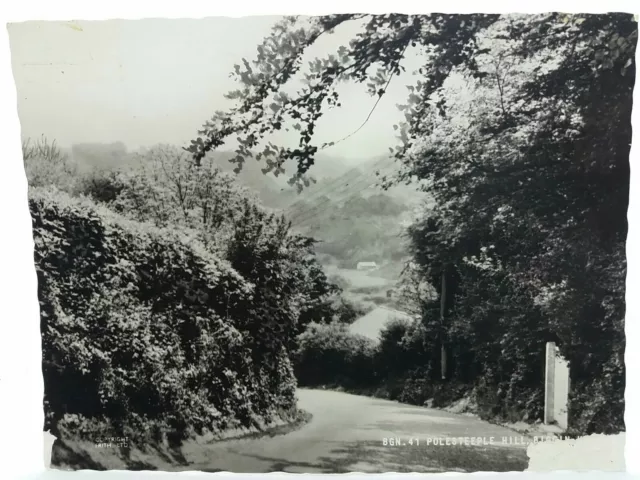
[361, 279]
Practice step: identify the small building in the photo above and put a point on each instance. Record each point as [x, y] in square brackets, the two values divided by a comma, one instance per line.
[366, 266]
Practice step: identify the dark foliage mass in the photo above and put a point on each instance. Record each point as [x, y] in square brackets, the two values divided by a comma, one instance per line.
[396, 367]
[329, 355]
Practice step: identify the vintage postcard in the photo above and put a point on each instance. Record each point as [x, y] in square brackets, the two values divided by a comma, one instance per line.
[330, 244]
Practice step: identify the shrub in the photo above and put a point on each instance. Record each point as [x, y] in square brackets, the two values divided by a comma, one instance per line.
[341, 282]
[45, 164]
[101, 185]
[347, 311]
[144, 330]
[329, 355]
[168, 189]
[416, 391]
[402, 348]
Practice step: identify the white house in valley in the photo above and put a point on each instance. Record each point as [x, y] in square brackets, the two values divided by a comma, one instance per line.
[367, 266]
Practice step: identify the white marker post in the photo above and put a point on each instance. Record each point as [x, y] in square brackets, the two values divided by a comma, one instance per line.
[556, 388]
[549, 376]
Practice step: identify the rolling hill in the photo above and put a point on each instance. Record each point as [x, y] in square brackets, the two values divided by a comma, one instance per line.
[346, 210]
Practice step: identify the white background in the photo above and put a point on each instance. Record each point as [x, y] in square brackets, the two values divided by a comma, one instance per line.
[21, 389]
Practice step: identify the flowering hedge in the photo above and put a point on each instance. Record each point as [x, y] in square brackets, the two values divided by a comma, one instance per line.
[145, 331]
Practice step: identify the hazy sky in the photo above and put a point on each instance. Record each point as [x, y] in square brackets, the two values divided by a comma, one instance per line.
[144, 82]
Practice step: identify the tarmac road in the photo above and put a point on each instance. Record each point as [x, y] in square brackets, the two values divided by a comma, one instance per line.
[347, 432]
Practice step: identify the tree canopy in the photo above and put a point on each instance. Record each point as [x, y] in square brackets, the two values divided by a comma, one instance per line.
[519, 127]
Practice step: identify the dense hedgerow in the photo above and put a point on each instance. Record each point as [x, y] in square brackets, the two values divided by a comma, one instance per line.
[146, 332]
[329, 355]
[400, 367]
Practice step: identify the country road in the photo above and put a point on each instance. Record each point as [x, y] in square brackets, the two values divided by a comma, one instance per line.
[346, 434]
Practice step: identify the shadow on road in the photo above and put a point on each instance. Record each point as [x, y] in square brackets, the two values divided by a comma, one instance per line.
[373, 457]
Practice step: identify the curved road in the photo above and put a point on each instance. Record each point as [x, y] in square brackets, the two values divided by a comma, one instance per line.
[346, 435]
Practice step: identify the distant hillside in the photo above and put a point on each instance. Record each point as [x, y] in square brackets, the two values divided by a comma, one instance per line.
[353, 218]
[356, 228]
[355, 177]
[104, 156]
[267, 187]
[336, 177]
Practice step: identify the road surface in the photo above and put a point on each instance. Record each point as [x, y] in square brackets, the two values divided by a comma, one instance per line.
[346, 435]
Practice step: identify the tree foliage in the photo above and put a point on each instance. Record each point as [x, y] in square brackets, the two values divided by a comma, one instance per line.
[169, 307]
[145, 331]
[531, 220]
[519, 128]
[168, 189]
[263, 107]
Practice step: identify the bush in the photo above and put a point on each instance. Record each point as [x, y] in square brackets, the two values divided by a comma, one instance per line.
[103, 186]
[45, 164]
[144, 330]
[346, 311]
[329, 355]
[341, 282]
[416, 391]
[402, 349]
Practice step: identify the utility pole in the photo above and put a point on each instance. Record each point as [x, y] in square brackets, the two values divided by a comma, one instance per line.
[443, 351]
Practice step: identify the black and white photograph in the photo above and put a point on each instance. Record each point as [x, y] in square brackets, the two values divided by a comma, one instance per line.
[328, 244]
